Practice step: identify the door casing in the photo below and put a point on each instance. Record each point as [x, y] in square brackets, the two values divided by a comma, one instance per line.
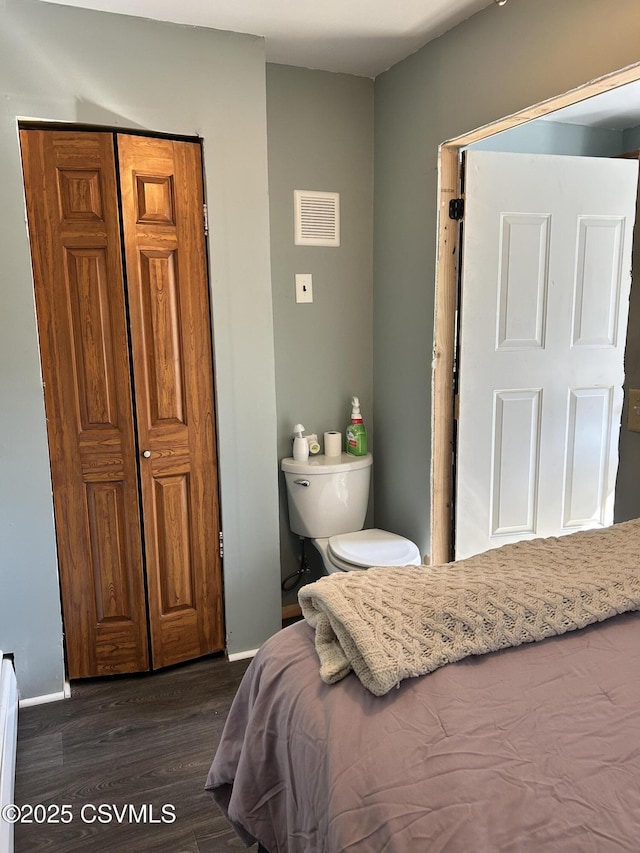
[446, 297]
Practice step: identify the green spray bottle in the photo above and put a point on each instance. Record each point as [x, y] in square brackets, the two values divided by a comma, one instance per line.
[356, 434]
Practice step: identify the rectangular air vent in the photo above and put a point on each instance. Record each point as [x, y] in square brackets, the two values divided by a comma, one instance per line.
[317, 218]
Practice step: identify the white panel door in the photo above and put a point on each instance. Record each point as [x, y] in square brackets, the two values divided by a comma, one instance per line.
[545, 291]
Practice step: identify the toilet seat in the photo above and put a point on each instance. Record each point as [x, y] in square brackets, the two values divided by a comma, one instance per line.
[365, 548]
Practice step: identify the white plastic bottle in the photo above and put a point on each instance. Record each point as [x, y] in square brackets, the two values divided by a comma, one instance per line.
[300, 444]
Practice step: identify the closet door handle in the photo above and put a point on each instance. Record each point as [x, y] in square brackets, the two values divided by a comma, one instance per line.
[146, 454]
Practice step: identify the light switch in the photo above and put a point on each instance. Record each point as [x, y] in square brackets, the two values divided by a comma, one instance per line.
[304, 287]
[633, 419]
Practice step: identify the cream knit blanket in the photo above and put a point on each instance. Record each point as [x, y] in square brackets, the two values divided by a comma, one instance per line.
[387, 624]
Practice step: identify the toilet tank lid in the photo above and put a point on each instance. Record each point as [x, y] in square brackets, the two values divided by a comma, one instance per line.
[375, 548]
[322, 464]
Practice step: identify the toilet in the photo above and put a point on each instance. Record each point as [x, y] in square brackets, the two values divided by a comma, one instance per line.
[328, 497]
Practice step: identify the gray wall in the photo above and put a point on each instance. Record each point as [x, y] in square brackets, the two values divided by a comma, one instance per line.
[631, 139]
[60, 63]
[553, 137]
[320, 131]
[501, 60]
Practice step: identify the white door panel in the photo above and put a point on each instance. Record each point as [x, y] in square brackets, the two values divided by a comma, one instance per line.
[586, 497]
[516, 443]
[545, 290]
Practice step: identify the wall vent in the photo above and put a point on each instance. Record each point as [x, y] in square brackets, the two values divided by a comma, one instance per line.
[317, 218]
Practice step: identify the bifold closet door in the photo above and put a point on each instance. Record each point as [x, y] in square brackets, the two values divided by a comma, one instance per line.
[75, 245]
[162, 208]
[128, 373]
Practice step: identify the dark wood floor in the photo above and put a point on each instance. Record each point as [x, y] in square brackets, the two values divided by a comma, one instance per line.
[138, 739]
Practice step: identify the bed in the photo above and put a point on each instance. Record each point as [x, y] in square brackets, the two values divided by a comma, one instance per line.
[533, 746]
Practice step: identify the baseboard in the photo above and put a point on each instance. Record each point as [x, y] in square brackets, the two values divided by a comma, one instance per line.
[289, 611]
[43, 700]
[242, 655]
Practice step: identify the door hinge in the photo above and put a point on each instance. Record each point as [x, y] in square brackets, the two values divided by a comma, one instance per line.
[221, 543]
[205, 219]
[456, 208]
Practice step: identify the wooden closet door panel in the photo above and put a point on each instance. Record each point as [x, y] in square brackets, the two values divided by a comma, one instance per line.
[162, 210]
[70, 182]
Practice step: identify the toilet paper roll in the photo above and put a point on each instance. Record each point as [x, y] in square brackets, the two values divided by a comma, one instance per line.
[314, 444]
[332, 443]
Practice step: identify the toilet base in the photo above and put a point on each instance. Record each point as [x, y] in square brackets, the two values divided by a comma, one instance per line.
[330, 567]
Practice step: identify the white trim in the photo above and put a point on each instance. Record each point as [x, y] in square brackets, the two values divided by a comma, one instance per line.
[8, 742]
[43, 700]
[242, 655]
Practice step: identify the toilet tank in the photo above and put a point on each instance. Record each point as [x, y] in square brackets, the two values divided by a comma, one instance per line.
[327, 495]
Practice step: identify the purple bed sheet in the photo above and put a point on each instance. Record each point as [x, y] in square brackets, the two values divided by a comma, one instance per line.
[535, 748]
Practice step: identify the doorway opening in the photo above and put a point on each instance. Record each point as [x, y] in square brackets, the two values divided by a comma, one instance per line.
[446, 297]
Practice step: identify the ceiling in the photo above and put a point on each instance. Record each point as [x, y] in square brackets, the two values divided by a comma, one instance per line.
[363, 37]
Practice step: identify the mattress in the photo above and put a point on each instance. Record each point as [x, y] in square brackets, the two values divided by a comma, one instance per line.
[534, 748]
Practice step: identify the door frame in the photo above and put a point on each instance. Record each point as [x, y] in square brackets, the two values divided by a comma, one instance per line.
[446, 298]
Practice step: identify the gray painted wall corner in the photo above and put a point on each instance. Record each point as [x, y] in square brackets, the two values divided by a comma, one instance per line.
[320, 137]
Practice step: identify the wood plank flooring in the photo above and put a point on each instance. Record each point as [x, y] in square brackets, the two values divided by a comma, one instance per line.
[146, 739]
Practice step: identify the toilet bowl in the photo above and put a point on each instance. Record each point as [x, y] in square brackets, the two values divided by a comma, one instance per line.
[327, 501]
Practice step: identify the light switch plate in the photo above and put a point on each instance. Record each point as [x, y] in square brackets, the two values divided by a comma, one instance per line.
[304, 287]
[633, 418]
